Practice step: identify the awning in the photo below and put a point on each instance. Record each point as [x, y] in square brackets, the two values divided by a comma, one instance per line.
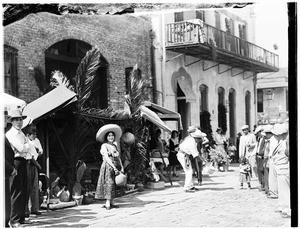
[49, 103]
[153, 117]
[187, 90]
[11, 102]
[163, 113]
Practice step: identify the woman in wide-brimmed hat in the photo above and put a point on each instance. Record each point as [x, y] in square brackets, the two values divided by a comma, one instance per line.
[111, 165]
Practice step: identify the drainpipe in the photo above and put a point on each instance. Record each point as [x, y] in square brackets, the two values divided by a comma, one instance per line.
[153, 74]
[163, 58]
[255, 97]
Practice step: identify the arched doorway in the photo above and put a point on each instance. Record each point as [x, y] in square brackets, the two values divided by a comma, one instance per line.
[184, 110]
[222, 118]
[248, 108]
[66, 56]
[232, 114]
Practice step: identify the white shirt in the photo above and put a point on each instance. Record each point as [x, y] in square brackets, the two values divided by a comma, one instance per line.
[189, 146]
[37, 144]
[19, 143]
[245, 142]
[273, 144]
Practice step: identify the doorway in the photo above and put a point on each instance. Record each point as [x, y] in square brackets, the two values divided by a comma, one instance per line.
[184, 110]
[232, 115]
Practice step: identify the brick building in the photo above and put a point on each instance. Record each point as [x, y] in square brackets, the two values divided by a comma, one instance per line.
[59, 42]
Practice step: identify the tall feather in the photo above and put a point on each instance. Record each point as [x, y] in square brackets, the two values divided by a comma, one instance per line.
[85, 75]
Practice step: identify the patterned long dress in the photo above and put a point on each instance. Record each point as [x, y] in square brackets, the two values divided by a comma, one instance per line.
[106, 187]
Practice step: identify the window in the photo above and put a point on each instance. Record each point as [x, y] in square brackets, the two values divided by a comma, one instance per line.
[200, 15]
[128, 78]
[242, 31]
[247, 107]
[260, 100]
[221, 95]
[178, 16]
[10, 70]
[204, 97]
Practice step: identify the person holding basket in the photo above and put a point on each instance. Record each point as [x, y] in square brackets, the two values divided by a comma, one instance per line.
[111, 166]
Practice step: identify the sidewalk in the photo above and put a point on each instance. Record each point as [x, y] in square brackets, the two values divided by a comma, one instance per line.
[218, 203]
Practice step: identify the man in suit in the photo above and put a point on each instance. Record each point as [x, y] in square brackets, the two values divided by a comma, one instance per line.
[10, 171]
[260, 146]
[21, 147]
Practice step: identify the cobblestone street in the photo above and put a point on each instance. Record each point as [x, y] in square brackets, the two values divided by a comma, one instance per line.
[218, 203]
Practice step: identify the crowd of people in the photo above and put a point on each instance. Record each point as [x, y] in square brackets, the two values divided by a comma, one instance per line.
[263, 155]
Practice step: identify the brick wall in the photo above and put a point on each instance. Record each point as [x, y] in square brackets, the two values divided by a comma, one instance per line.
[122, 39]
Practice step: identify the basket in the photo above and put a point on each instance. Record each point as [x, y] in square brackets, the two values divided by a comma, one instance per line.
[121, 179]
[130, 187]
[78, 199]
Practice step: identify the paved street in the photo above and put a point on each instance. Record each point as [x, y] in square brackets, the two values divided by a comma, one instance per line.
[218, 203]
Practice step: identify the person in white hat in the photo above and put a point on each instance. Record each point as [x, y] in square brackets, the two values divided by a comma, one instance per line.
[247, 146]
[282, 169]
[186, 148]
[111, 166]
[259, 149]
[221, 146]
[21, 147]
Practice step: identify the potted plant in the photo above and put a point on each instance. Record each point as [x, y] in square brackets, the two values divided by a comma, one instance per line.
[77, 188]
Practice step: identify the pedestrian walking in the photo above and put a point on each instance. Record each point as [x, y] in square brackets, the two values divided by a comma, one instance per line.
[282, 169]
[21, 148]
[259, 148]
[111, 166]
[10, 172]
[173, 150]
[186, 148]
[246, 148]
[33, 172]
[245, 169]
[221, 143]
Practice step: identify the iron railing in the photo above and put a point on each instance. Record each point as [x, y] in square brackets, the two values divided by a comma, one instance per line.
[183, 33]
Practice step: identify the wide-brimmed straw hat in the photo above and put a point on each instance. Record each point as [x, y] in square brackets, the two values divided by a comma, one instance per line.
[16, 113]
[108, 128]
[192, 129]
[279, 129]
[198, 134]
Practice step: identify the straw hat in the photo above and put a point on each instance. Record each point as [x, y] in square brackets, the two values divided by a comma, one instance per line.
[219, 128]
[258, 129]
[245, 127]
[198, 134]
[279, 129]
[267, 128]
[192, 129]
[108, 128]
[16, 113]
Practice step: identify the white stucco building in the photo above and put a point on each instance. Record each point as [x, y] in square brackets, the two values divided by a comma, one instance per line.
[204, 58]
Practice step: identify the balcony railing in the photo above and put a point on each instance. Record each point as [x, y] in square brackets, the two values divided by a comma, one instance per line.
[183, 33]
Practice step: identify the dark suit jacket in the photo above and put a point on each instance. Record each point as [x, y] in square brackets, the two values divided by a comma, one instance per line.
[9, 159]
[260, 151]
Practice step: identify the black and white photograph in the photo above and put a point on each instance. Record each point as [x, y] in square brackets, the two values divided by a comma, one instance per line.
[163, 114]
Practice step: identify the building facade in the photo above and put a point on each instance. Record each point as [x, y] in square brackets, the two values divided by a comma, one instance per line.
[206, 61]
[272, 97]
[59, 42]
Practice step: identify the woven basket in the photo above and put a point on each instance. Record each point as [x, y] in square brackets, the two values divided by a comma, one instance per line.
[121, 179]
[128, 138]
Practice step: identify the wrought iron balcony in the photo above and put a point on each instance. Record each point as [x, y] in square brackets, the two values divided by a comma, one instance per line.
[206, 42]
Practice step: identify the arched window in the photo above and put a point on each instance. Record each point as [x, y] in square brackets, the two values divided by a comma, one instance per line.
[248, 108]
[66, 56]
[10, 70]
[221, 95]
[204, 97]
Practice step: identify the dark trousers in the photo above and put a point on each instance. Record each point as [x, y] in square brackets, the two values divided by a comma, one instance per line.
[18, 190]
[198, 167]
[7, 202]
[260, 170]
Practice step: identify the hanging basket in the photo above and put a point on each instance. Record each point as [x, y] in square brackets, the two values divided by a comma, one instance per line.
[121, 179]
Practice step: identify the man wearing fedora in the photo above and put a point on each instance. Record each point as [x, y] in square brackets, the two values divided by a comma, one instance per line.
[21, 147]
[247, 146]
[186, 148]
[282, 169]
